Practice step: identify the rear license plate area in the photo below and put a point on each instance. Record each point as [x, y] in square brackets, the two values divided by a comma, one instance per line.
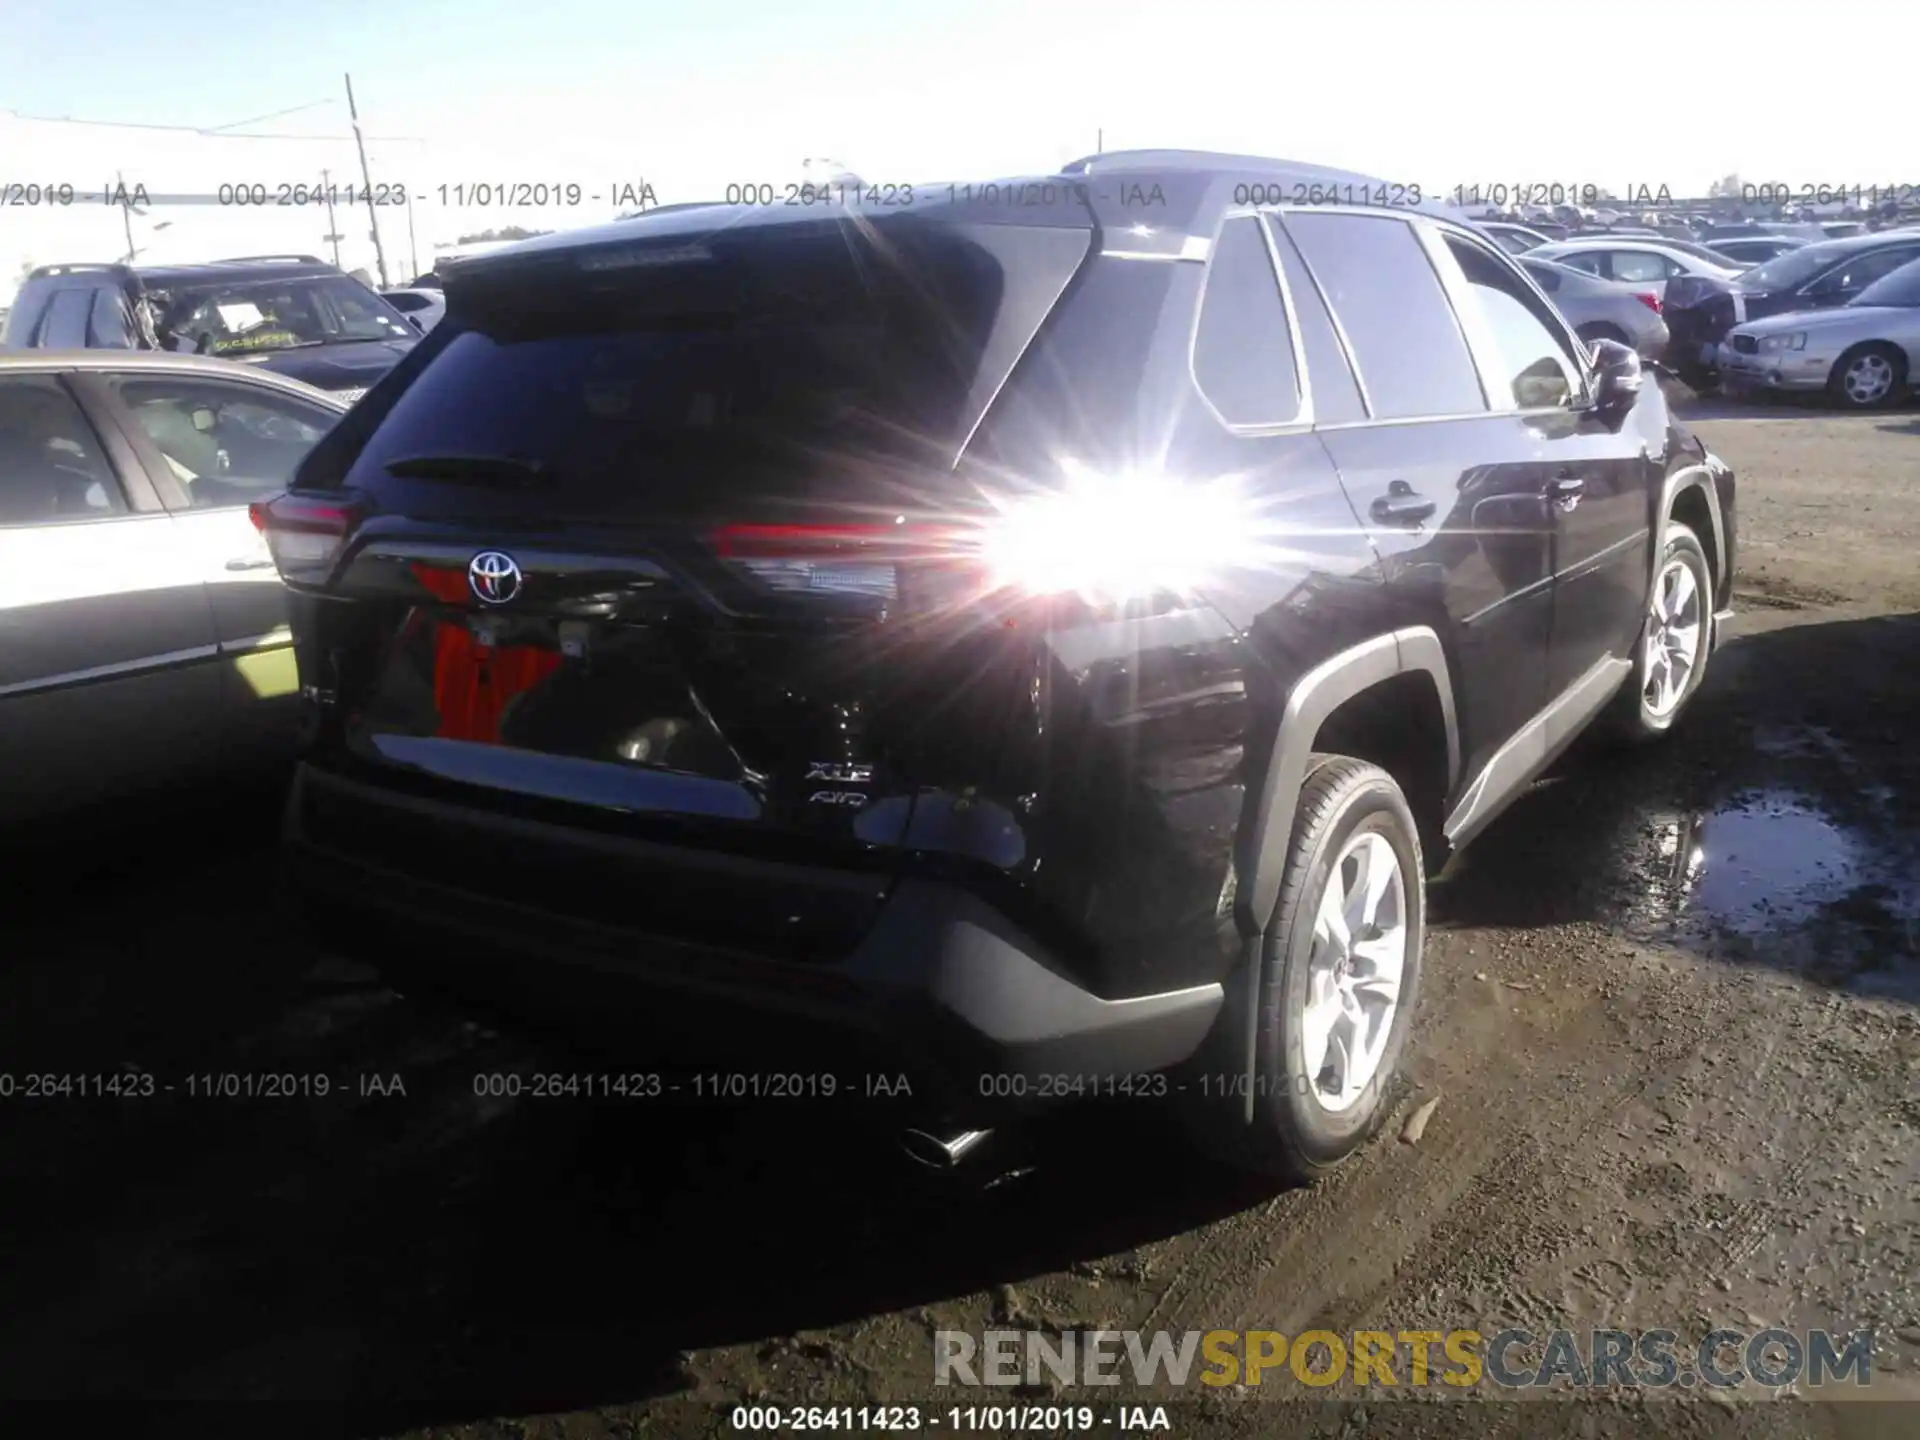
[481, 666]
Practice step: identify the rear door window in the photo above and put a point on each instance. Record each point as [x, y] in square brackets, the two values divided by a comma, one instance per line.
[225, 443]
[1412, 357]
[1641, 267]
[1592, 262]
[52, 468]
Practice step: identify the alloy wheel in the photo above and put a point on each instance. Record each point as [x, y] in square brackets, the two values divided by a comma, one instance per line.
[1354, 970]
[1674, 636]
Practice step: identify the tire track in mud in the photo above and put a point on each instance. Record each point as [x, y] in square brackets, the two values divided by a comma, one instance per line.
[1445, 1219]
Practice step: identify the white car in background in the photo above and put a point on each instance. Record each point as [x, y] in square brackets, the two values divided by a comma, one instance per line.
[423, 307]
[143, 627]
[1643, 264]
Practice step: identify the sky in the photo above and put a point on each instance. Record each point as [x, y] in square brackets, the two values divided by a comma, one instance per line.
[689, 98]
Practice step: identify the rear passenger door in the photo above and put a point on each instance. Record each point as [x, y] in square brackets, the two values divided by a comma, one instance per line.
[1451, 489]
[212, 446]
[106, 642]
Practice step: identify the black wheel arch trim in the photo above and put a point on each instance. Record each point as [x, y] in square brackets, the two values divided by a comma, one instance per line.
[1261, 849]
[1699, 477]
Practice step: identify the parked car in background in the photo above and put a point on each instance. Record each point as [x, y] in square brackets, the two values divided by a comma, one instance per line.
[1841, 229]
[1601, 309]
[1865, 353]
[1109, 746]
[292, 314]
[423, 307]
[1737, 229]
[144, 627]
[1647, 264]
[1701, 310]
[1514, 239]
[1750, 250]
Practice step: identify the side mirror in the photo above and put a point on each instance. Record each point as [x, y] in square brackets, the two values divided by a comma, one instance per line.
[204, 419]
[414, 320]
[1617, 376]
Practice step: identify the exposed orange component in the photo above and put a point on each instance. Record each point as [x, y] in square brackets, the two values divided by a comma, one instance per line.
[441, 582]
[472, 683]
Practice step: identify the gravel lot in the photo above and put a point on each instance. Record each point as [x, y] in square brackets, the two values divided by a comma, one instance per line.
[1668, 1095]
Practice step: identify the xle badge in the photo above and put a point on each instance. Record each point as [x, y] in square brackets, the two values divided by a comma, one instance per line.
[840, 774]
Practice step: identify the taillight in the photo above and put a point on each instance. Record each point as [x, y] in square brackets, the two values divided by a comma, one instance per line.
[304, 535]
[1648, 299]
[1109, 538]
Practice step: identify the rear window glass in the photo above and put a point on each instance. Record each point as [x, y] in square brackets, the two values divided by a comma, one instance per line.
[796, 350]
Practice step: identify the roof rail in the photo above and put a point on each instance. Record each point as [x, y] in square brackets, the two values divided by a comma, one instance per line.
[256, 259]
[45, 271]
[1193, 160]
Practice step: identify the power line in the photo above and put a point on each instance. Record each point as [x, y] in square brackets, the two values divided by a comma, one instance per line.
[215, 134]
[274, 115]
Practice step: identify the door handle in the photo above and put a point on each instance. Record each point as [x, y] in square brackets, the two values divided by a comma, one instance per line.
[1400, 506]
[1565, 490]
[251, 563]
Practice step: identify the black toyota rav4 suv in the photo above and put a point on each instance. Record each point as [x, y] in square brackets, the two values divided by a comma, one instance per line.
[1037, 639]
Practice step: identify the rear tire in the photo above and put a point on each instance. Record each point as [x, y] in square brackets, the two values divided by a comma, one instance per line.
[1675, 642]
[1869, 377]
[1334, 1017]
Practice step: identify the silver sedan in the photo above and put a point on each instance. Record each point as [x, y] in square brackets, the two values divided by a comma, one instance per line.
[144, 627]
[1644, 264]
[1600, 309]
[1865, 353]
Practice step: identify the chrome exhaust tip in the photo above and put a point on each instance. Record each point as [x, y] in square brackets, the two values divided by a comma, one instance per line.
[939, 1152]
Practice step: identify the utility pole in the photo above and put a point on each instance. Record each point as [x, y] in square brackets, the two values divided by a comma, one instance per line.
[333, 229]
[1100, 142]
[373, 211]
[126, 212]
[413, 247]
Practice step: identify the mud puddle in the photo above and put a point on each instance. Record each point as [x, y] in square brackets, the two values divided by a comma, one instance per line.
[1773, 875]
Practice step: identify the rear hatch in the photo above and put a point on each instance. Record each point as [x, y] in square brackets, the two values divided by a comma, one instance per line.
[665, 541]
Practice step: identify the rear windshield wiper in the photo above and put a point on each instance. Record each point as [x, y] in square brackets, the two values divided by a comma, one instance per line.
[503, 470]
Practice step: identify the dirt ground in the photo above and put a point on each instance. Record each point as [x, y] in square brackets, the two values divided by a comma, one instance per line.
[1672, 1023]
